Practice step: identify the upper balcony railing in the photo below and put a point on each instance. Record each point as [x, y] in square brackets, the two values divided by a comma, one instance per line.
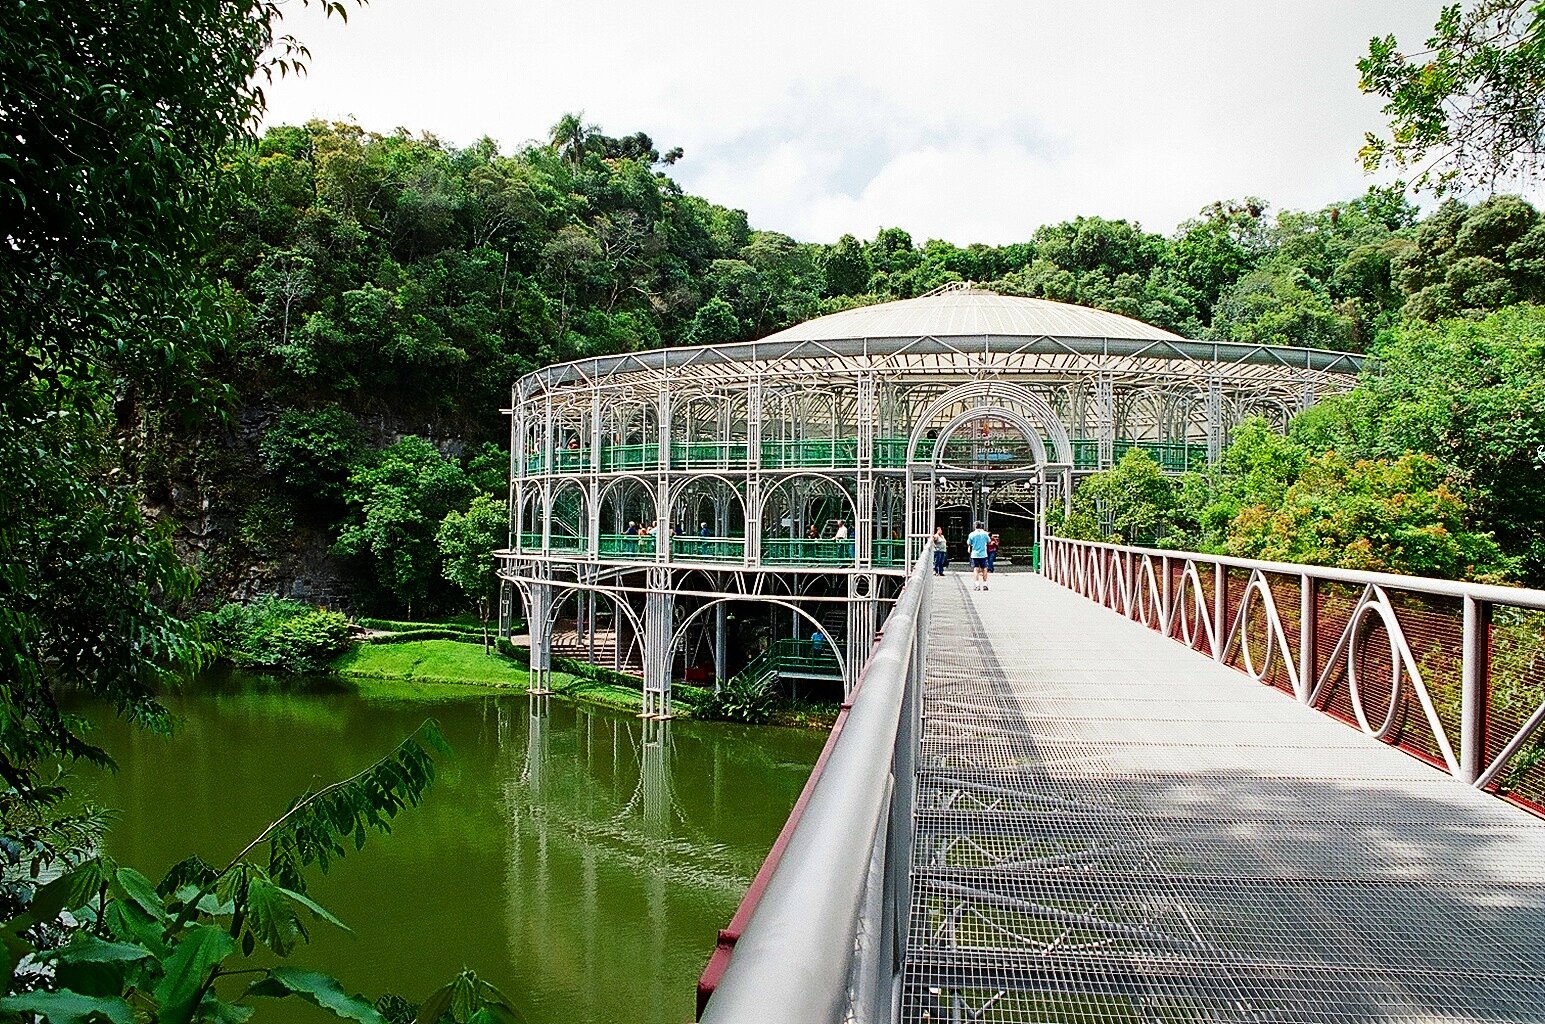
[817, 453]
[1448, 671]
[826, 552]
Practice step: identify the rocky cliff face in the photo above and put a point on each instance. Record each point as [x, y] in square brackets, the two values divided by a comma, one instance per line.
[233, 523]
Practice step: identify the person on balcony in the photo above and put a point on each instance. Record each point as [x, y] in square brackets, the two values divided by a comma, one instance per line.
[630, 545]
[843, 550]
[811, 534]
[940, 546]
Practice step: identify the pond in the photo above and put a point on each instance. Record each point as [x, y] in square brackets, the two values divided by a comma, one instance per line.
[581, 860]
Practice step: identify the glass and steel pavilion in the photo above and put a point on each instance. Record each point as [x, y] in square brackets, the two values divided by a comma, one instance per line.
[653, 495]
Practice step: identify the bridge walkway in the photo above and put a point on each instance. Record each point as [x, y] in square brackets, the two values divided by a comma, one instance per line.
[1111, 827]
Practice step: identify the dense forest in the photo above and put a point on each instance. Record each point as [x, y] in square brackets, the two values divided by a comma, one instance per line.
[385, 290]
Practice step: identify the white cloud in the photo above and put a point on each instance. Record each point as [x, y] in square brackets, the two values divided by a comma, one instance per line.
[973, 121]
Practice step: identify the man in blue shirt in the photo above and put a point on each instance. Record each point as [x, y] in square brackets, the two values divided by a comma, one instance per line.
[977, 541]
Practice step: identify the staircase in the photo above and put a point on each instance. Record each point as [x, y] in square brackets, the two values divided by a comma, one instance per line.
[567, 642]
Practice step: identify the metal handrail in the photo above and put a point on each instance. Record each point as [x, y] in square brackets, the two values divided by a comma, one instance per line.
[1522, 597]
[1165, 591]
[827, 930]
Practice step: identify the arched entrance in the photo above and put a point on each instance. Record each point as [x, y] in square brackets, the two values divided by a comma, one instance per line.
[990, 452]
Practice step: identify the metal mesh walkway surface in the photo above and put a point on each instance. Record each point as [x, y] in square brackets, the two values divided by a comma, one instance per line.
[1111, 827]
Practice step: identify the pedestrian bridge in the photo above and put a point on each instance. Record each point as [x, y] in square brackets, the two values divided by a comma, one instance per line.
[1096, 811]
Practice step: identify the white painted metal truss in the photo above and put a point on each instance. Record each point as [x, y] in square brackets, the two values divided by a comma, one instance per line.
[1452, 672]
[672, 479]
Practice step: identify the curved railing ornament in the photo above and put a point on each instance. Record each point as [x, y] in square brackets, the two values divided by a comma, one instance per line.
[1164, 591]
[1258, 592]
[1193, 616]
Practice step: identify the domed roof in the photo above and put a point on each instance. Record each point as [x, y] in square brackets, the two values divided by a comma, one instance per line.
[964, 330]
[956, 312]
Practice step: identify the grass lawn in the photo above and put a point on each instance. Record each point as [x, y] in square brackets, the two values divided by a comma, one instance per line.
[438, 668]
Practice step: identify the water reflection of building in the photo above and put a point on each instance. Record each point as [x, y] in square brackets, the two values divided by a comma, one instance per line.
[600, 850]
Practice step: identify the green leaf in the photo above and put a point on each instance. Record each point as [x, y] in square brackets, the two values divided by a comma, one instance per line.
[66, 1007]
[315, 907]
[84, 948]
[318, 989]
[272, 917]
[435, 1006]
[70, 890]
[217, 1011]
[201, 948]
[141, 891]
[126, 921]
[468, 1000]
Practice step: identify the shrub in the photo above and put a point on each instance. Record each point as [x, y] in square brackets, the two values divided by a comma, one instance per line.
[307, 642]
[427, 633]
[274, 633]
[399, 626]
[748, 699]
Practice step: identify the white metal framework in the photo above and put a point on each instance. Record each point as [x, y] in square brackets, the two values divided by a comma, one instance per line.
[804, 471]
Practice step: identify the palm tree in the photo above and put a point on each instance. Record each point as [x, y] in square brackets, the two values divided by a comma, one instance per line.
[570, 136]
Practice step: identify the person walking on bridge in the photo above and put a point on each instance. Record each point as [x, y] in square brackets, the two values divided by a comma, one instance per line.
[978, 540]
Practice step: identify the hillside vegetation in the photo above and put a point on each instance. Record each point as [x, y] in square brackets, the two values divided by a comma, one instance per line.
[385, 290]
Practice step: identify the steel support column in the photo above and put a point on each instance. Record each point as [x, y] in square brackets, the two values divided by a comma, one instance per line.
[659, 625]
[539, 597]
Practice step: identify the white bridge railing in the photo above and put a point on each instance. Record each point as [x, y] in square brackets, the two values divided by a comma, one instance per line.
[1451, 672]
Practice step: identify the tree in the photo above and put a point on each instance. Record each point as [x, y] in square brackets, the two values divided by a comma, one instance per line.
[1468, 261]
[467, 541]
[113, 125]
[570, 137]
[1470, 395]
[714, 321]
[1396, 515]
[310, 452]
[1134, 496]
[847, 267]
[1280, 305]
[397, 501]
[1469, 111]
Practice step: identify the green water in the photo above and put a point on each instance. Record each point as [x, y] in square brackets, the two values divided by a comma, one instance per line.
[581, 860]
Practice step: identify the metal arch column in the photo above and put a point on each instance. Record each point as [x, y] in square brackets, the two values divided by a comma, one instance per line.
[863, 618]
[506, 608]
[659, 624]
[1308, 396]
[1105, 418]
[1215, 425]
[753, 498]
[867, 412]
[539, 598]
[662, 497]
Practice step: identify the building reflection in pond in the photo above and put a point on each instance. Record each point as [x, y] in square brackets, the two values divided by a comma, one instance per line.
[580, 860]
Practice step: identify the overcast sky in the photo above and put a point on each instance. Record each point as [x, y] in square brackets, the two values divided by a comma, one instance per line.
[968, 120]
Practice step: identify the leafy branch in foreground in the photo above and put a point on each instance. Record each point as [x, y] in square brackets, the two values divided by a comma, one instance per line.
[101, 942]
[1468, 110]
